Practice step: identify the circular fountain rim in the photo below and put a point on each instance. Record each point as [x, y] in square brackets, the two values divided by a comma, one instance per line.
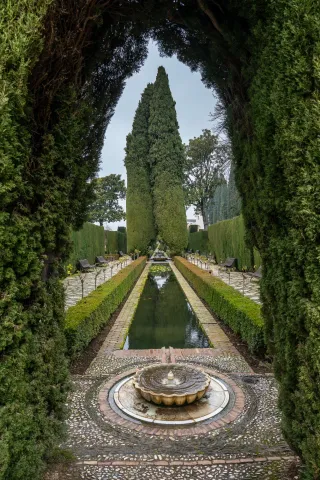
[147, 421]
[171, 366]
[112, 414]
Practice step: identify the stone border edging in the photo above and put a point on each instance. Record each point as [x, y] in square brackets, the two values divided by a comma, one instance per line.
[113, 417]
[208, 322]
[218, 461]
[117, 335]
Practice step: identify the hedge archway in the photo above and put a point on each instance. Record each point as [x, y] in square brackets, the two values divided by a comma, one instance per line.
[63, 64]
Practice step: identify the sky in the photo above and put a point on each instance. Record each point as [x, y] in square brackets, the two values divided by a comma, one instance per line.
[194, 103]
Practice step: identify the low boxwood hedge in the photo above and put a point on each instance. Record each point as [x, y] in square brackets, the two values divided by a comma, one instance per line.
[241, 314]
[85, 320]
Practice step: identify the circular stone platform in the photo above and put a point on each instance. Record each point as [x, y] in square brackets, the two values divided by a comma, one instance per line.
[131, 403]
[120, 404]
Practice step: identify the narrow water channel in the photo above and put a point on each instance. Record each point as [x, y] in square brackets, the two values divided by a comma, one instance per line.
[164, 316]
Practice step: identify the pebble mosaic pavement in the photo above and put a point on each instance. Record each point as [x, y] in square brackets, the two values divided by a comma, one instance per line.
[73, 288]
[248, 287]
[251, 447]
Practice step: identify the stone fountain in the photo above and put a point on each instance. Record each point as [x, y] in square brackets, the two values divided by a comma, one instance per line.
[171, 384]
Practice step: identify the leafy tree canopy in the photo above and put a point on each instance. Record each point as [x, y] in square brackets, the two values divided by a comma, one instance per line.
[108, 191]
[206, 159]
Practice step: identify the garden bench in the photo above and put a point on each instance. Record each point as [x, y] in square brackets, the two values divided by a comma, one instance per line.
[229, 263]
[100, 260]
[121, 254]
[85, 265]
[257, 274]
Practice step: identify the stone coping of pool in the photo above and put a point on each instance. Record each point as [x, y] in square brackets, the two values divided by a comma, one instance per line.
[118, 333]
[151, 428]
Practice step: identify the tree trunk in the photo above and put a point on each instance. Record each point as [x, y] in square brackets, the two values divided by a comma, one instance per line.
[204, 214]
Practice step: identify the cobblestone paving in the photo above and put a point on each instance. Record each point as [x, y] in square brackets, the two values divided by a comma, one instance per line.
[73, 285]
[251, 447]
[237, 280]
[276, 469]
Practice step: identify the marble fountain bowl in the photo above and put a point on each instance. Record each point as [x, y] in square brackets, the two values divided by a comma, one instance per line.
[171, 384]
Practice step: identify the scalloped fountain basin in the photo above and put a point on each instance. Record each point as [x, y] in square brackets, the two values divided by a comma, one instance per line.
[171, 384]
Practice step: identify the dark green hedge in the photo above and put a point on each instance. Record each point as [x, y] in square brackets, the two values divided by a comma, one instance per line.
[241, 314]
[111, 242]
[193, 228]
[198, 241]
[227, 239]
[87, 243]
[85, 320]
[116, 241]
[122, 242]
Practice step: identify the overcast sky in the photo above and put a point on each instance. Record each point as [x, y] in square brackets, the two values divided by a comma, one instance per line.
[194, 103]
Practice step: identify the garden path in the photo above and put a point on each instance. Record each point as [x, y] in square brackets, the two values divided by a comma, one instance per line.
[91, 280]
[244, 443]
[239, 281]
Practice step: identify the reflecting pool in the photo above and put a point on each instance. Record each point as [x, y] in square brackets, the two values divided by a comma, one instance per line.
[164, 316]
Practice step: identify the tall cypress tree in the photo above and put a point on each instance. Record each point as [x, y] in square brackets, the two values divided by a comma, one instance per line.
[166, 160]
[140, 220]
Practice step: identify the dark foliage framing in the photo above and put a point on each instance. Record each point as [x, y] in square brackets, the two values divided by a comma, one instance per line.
[63, 64]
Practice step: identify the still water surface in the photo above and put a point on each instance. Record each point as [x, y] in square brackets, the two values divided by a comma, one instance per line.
[164, 317]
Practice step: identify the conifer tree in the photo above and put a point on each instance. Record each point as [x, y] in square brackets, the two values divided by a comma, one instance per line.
[166, 160]
[140, 220]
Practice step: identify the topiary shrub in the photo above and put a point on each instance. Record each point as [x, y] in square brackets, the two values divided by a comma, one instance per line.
[166, 156]
[112, 244]
[140, 218]
[87, 317]
[241, 314]
[199, 241]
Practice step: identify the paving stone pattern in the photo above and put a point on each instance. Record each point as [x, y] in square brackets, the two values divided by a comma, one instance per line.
[237, 280]
[73, 285]
[250, 447]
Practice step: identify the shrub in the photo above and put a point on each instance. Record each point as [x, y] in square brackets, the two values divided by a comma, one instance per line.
[122, 242]
[112, 245]
[241, 314]
[227, 239]
[198, 241]
[85, 320]
[122, 229]
[87, 243]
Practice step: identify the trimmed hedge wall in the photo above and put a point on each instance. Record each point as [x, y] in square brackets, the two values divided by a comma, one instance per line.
[122, 242]
[87, 243]
[85, 320]
[116, 241]
[241, 314]
[227, 239]
[198, 241]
